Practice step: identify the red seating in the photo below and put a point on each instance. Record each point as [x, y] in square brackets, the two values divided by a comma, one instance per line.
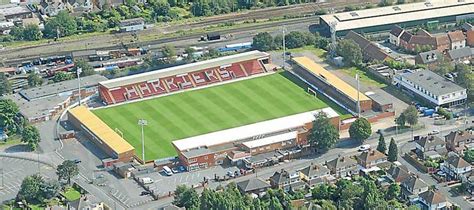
[118, 95]
[253, 67]
[238, 72]
[183, 82]
[170, 82]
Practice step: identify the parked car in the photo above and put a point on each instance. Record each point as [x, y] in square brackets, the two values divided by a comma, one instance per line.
[434, 132]
[144, 193]
[364, 147]
[147, 180]
[230, 174]
[167, 171]
[181, 169]
[77, 161]
[174, 170]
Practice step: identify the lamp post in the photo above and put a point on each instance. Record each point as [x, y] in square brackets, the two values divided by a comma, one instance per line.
[143, 123]
[78, 72]
[283, 28]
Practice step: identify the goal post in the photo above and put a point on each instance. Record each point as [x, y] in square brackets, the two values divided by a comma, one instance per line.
[312, 92]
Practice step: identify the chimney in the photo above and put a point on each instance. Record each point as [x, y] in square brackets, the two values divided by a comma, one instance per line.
[427, 57]
[342, 159]
[372, 153]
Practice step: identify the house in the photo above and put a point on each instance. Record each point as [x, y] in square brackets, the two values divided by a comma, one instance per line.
[395, 34]
[467, 27]
[433, 200]
[398, 174]
[455, 166]
[412, 42]
[172, 207]
[412, 187]
[457, 39]
[253, 186]
[370, 160]
[470, 185]
[286, 181]
[370, 51]
[80, 6]
[342, 167]
[430, 147]
[470, 38]
[430, 58]
[458, 141]
[135, 24]
[315, 174]
[86, 202]
[51, 7]
[442, 43]
[461, 55]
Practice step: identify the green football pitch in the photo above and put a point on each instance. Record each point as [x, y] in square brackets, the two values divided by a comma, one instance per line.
[206, 110]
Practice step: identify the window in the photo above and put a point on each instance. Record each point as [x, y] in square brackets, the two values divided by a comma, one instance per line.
[206, 157]
[268, 147]
[192, 160]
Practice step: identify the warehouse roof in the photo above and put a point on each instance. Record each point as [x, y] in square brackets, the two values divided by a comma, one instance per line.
[37, 108]
[101, 130]
[248, 131]
[431, 81]
[61, 87]
[183, 69]
[399, 13]
[330, 78]
[270, 140]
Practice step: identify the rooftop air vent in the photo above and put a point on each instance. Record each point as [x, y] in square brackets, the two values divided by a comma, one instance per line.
[354, 14]
[396, 8]
[428, 4]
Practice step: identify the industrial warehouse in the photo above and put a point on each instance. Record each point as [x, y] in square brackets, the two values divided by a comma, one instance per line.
[407, 15]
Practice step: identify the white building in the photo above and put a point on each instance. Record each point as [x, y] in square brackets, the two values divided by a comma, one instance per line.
[433, 200]
[457, 39]
[431, 87]
[135, 24]
[395, 35]
[455, 166]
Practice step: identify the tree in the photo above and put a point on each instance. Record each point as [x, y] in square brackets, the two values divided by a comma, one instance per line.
[263, 41]
[392, 151]
[323, 135]
[169, 53]
[62, 23]
[382, 146]
[347, 194]
[275, 204]
[87, 69]
[400, 120]
[50, 189]
[30, 188]
[350, 51]
[31, 137]
[295, 39]
[189, 51]
[8, 115]
[62, 76]
[32, 32]
[67, 170]
[34, 79]
[411, 115]
[469, 156]
[5, 86]
[186, 197]
[360, 130]
[323, 192]
[393, 191]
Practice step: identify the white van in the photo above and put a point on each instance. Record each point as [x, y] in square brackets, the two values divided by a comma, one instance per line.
[147, 180]
[167, 171]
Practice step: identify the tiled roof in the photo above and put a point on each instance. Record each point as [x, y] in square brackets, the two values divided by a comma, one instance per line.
[358, 39]
[422, 40]
[461, 53]
[459, 136]
[341, 162]
[457, 162]
[429, 141]
[433, 197]
[314, 170]
[396, 30]
[456, 36]
[372, 155]
[398, 173]
[414, 183]
[406, 36]
[442, 40]
[252, 184]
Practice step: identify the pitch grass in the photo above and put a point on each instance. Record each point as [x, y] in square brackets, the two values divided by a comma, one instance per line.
[206, 110]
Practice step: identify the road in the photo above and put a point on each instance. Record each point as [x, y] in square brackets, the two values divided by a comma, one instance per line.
[155, 34]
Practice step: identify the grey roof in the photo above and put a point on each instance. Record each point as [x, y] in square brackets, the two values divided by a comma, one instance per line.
[429, 141]
[172, 207]
[467, 27]
[461, 53]
[37, 108]
[341, 162]
[183, 69]
[61, 87]
[433, 197]
[414, 183]
[252, 184]
[280, 176]
[456, 161]
[459, 136]
[13, 9]
[398, 173]
[131, 22]
[431, 56]
[314, 170]
[196, 152]
[429, 80]
[396, 30]
[379, 99]
[370, 156]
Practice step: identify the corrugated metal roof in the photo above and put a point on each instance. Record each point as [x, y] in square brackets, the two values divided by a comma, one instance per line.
[101, 130]
[330, 78]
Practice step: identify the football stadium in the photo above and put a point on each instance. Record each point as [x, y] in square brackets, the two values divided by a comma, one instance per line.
[225, 108]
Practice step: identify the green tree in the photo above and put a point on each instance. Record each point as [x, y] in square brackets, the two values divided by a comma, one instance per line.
[263, 41]
[382, 146]
[5, 86]
[30, 189]
[393, 191]
[169, 53]
[347, 194]
[50, 189]
[392, 151]
[295, 39]
[8, 115]
[323, 135]
[350, 51]
[62, 76]
[411, 115]
[190, 53]
[31, 32]
[275, 204]
[327, 205]
[400, 120]
[469, 156]
[62, 23]
[323, 192]
[87, 69]
[31, 137]
[186, 197]
[34, 79]
[360, 130]
[67, 170]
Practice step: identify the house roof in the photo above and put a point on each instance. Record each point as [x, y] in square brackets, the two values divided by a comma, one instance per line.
[413, 182]
[398, 173]
[422, 40]
[358, 39]
[372, 155]
[433, 197]
[131, 22]
[406, 36]
[396, 30]
[431, 81]
[429, 141]
[467, 26]
[423, 32]
[252, 184]
[442, 40]
[314, 170]
[280, 176]
[431, 56]
[375, 53]
[459, 136]
[456, 36]
[456, 161]
[341, 162]
[461, 53]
